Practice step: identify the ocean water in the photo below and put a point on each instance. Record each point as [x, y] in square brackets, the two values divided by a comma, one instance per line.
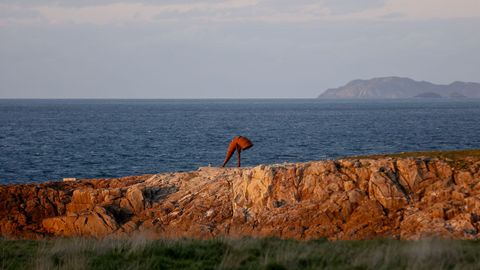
[44, 140]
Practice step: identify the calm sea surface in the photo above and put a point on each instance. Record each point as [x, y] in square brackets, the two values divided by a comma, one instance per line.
[44, 140]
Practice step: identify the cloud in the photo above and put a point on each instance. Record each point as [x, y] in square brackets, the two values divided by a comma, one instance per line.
[279, 11]
[421, 10]
[19, 15]
[345, 7]
[437, 9]
[140, 12]
[107, 12]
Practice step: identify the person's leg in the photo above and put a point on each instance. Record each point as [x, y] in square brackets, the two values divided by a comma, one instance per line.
[238, 152]
[230, 151]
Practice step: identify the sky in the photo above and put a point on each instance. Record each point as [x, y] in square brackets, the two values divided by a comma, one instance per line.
[231, 48]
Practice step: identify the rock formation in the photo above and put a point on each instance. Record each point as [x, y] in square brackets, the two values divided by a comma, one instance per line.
[353, 198]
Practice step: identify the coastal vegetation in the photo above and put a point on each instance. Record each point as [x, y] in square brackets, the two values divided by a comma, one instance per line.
[246, 253]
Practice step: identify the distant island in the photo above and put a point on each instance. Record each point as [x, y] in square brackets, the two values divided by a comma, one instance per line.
[398, 87]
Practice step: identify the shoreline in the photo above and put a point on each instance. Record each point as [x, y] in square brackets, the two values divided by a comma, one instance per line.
[444, 154]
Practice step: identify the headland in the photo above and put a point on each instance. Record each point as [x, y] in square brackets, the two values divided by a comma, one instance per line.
[397, 196]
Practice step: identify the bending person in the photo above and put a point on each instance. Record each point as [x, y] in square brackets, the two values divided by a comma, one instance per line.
[238, 143]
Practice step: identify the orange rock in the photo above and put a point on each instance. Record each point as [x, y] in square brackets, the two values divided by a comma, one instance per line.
[457, 196]
[464, 178]
[97, 223]
[134, 196]
[346, 199]
[473, 205]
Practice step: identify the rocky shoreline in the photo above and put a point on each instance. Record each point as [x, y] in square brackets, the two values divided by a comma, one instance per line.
[351, 198]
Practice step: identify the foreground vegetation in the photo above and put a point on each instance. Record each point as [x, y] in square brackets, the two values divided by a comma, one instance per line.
[139, 253]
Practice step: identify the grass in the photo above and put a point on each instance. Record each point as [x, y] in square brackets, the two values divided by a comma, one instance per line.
[248, 253]
[456, 158]
[445, 154]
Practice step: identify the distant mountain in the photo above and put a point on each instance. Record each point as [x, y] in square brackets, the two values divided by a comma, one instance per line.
[397, 87]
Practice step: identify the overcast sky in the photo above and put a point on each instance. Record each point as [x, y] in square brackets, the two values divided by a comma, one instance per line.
[229, 49]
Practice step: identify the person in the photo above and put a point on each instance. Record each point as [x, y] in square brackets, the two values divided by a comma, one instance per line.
[238, 144]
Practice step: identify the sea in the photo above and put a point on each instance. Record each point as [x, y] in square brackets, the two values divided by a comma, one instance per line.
[46, 140]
